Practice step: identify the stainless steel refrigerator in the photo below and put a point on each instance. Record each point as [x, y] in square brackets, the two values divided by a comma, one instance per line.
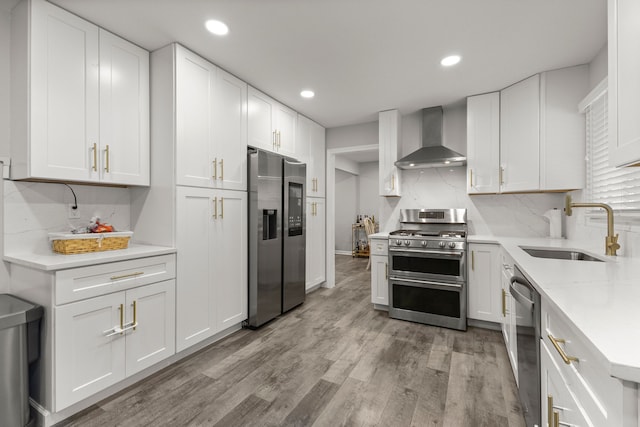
[277, 235]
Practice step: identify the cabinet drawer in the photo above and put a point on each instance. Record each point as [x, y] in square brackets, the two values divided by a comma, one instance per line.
[379, 247]
[587, 378]
[86, 282]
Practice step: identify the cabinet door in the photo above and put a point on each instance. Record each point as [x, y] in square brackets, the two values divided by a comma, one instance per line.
[380, 279]
[389, 138]
[260, 121]
[520, 136]
[152, 308]
[483, 143]
[195, 315]
[484, 283]
[230, 132]
[229, 272]
[87, 360]
[64, 122]
[624, 82]
[317, 156]
[124, 111]
[195, 79]
[508, 322]
[303, 146]
[315, 262]
[285, 127]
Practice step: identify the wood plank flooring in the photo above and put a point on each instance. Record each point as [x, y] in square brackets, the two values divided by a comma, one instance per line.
[334, 361]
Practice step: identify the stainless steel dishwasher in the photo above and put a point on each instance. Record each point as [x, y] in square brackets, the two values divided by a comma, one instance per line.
[527, 306]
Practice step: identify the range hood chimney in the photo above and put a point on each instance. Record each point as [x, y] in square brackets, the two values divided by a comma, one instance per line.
[432, 154]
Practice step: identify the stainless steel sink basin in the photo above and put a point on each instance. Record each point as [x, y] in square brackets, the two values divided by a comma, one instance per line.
[560, 254]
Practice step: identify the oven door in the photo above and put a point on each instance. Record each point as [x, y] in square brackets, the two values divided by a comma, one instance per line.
[432, 303]
[427, 265]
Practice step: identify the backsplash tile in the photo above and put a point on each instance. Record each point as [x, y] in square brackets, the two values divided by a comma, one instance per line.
[32, 210]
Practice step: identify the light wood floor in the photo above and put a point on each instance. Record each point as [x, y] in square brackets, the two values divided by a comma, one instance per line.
[332, 361]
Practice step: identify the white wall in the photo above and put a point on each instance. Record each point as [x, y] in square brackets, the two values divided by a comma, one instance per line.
[5, 32]
[368, 189]
[598, 67]
[351, 136]
[346, 208]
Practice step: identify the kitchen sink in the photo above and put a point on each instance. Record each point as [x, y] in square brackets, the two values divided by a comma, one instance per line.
[567, 254]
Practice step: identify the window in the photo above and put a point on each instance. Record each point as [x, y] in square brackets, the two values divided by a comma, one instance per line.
[617, 187]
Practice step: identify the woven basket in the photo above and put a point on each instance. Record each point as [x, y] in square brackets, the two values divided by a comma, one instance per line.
[68, 244]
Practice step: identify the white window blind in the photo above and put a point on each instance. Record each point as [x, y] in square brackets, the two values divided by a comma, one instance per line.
[617, 187]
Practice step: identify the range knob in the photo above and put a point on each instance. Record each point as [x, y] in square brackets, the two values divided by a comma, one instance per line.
[424, 243]
[407, 242]
[452, 245]
[398, 242]
[441, 244]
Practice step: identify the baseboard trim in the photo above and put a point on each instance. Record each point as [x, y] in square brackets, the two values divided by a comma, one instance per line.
[343, 252]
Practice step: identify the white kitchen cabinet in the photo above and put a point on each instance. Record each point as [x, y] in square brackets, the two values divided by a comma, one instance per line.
[211, 120]
[272, 126]
[102, 340]
[520, 136]
[80, 100]
[483, 143]
[624, 82]
[484, 283]
[542, 133]
[310, 147]
[212, 264]
[315, 263]
[379, 254]
[388, 152]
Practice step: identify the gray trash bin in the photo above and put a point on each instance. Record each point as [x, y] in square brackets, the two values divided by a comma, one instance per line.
[19, 346]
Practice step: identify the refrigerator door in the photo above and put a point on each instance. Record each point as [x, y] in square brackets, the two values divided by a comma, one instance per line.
[265, 236]
[294, 235]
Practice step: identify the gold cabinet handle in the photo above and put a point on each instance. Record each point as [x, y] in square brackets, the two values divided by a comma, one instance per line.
[501, 178]
[556, 343]
[393, 182]
[121, 318]
[125, 276]
[278, 139]
[386, 271]
[215, 208]
[556, 419]
[473, 261]
[135, 315]
[95, 157]
[549, 410]
[106, 155]
[221, 207]
[471, 178]
[504, 303]
[221, 169]
[215, 168]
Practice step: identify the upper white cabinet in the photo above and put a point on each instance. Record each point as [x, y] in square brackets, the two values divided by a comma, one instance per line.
[519, 132]
[389, 149]
[80, 100]
[624, 82]
[272, 126]
[484, 283]
[483, 143]
[310, 147]
[211, 123]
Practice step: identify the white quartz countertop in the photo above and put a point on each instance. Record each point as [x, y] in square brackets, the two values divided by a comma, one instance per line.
[600, 299]
[51, 261]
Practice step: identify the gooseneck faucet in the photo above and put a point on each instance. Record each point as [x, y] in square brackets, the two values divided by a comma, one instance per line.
[611, 241]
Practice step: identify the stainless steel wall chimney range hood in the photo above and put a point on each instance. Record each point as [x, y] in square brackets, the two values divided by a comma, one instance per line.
[432, 154]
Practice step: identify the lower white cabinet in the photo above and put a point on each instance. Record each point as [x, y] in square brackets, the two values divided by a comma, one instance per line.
[508, 312]
[211, 239]
[379, 271]
[315, 264]
[102, 340]
[484, 285]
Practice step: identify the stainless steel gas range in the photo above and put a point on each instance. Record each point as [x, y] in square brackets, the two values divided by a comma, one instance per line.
[428, 267]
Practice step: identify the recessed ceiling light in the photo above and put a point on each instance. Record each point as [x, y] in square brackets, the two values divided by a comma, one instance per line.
[307, 93]
[216, 27]
[450, 60]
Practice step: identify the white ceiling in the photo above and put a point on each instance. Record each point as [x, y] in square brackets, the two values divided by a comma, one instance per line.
[364, 56]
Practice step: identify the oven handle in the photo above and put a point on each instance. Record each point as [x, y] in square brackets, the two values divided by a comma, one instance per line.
[423, 282]
[526, 302]
[420, 251]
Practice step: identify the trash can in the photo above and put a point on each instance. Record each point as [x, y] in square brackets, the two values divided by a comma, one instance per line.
[19, 346]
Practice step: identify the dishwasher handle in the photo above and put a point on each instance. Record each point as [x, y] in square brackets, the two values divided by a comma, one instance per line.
[526, 302]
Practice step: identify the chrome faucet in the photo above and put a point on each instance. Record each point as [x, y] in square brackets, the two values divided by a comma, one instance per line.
[611, 241]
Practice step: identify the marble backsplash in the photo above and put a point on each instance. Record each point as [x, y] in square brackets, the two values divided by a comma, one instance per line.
[500, 215]
[32, 210]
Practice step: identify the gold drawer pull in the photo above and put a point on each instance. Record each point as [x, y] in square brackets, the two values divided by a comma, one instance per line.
[566, 359]
[95, 157]
[215, 168]
[106, 155]
[504, 303]
[124, 276]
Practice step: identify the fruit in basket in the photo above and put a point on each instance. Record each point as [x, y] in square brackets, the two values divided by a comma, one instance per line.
[95, 226]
